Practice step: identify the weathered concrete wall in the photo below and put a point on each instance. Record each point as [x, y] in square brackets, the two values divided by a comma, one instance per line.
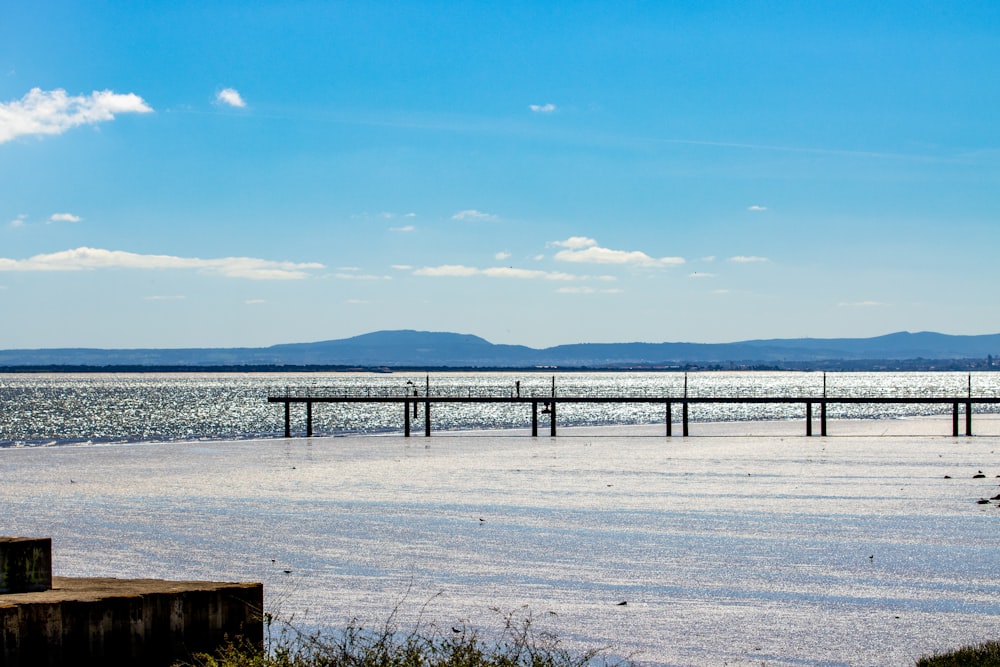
[121, 623]
[25, 564]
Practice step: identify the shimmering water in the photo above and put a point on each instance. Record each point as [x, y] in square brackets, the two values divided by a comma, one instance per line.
[777, 550]
[107, 408]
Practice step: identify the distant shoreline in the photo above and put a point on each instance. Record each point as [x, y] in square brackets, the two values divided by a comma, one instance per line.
[834, 366]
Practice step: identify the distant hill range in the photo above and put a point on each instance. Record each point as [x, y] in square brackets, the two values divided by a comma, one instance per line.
[389, 350]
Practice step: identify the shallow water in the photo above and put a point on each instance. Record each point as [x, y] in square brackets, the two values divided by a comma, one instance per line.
[781, 549]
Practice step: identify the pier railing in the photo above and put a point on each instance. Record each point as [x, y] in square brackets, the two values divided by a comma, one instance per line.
[547, 405]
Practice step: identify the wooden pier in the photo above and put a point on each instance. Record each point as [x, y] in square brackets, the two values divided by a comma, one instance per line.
[549, 406]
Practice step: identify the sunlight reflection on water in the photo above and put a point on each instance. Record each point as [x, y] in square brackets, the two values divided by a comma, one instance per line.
[850, 550]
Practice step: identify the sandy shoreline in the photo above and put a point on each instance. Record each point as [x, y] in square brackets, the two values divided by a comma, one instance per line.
[787, 550]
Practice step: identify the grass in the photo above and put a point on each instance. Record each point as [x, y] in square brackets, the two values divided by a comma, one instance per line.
[982, 655]
[519, 644]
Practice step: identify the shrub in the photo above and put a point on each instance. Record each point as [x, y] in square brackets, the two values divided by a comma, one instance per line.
[517, 645]
[983, 655]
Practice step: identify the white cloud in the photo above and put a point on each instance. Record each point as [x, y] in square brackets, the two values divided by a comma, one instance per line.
[744, 259]
[756, 207]
[510, 272]
[709, 258]
[576, 242]
[230, 96]
[19, 221]
[585, 250]
[165, 298]
[64, 217]
[447, 270]
[55, 112]
[461, 271]
[404, 229]
[254, 302]
[699, 274]
[359, 276]
[474, 215]
[542, 108]
[401, 267]
[95, 258]
[500, 256]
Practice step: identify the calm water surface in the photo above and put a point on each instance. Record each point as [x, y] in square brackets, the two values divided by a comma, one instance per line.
[48, 409]
[729, 550]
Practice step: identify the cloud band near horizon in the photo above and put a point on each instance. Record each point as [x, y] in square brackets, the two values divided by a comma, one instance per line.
[81, 259]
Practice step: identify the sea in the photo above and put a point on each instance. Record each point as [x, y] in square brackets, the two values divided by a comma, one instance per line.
[106, 408]
[747, 543]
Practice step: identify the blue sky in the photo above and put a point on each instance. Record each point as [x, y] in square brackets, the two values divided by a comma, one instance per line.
[203, 174]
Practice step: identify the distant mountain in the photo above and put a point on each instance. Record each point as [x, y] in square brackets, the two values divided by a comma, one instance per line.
[423, 349]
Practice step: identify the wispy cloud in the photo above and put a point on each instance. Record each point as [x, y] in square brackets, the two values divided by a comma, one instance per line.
[756, 207]
[254, 302]
[461, 271]
[55, 112]
[176, 297]
[745, 259]
[80, 259]
[860, 304]
[700, 274]
[348, 274]
[64, 217]
[404, 229]
[474, 216]
[806, 150]
[586, 250]
[589, 290]
[526, 274]
[543, 108]
[230, 97]
[501, 256]
[447, 271]
[19, 221]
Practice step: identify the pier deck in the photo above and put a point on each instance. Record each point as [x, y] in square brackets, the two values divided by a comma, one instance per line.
[549, 406]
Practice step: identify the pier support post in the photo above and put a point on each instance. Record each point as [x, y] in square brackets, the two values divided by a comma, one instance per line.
[309, 419]
[684, 415]
[822, 419]
[427, 419]
[954, 420]
[968, 419]
[406, 418]
[288, 419]
[670, 420]
[552, 417]
[809, 419]
[534, 419]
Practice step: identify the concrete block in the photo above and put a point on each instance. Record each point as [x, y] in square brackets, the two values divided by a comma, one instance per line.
[25, 564]
[126, 623]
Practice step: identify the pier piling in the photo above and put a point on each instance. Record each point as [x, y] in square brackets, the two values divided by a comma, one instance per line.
[550, 407]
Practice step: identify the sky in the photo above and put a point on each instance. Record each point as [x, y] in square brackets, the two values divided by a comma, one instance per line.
[242, 174]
